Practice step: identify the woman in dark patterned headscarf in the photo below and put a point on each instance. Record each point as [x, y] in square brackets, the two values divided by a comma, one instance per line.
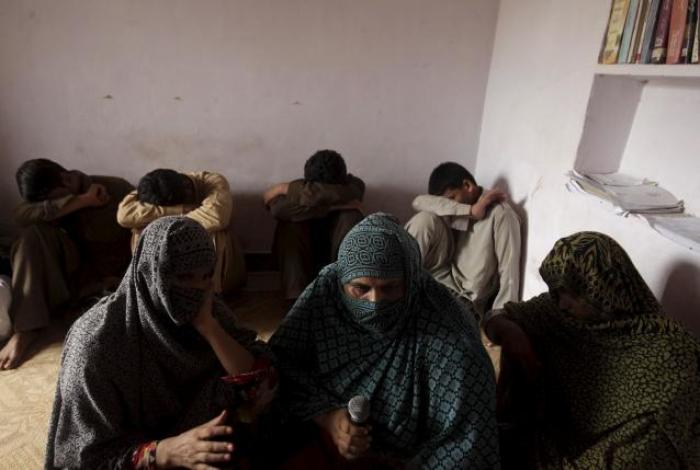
[621, 382]
[146, 372]
[376, 324]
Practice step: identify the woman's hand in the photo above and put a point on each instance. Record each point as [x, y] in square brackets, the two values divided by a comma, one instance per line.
[205, 322]
[234, 358]
[351, 440]
[194, 449]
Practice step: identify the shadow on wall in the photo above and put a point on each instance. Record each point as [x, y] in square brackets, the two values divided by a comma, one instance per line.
[681, 297]
[519, 208]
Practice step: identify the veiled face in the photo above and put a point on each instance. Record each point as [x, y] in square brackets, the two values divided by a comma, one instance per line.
[374, 289]
[573, 304]
[599, 277]
[173, 265]
[200, 278]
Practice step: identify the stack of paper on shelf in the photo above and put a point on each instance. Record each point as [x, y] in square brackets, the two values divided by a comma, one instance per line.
[627, 194]
[682, 229]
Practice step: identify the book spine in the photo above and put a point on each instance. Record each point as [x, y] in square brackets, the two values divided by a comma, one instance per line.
[626, 41]
[690, 34]
[676, 31]
[696, 41]
[618, 15]
[635, 50]
[658, 53]
[649, 26]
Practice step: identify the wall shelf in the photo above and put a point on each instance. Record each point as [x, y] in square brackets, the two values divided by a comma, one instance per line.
[650, 71]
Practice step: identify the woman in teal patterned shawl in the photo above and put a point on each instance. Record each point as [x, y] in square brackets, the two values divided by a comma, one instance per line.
[618, 383]
[376, 324]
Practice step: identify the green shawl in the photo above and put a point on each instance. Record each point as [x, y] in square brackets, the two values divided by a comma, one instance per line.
[621, 390]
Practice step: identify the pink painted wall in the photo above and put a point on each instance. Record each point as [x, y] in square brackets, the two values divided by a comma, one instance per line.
[543, 65]
[249, 88]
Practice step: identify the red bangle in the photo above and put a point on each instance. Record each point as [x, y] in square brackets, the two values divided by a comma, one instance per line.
[144, 457]
[259, 372]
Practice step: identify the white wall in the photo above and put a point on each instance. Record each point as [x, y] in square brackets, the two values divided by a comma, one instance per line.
[249, 88]
[664, 141]
[541, 74]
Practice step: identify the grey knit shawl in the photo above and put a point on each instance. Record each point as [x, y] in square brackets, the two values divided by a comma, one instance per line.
[133, 368]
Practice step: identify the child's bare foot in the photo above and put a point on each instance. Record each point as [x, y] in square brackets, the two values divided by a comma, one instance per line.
[12, 354]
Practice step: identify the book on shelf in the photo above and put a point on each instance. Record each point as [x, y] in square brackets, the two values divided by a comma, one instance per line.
[676, 31]
[658, 52]
[690, 32]
[696, 40]
[648, 35]
[628, 30]
[613, 36]
[695, 54]
[636, 49]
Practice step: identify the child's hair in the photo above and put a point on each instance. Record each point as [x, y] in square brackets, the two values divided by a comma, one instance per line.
[163, 187]
[448, 175]
[37, 178]
[326, 166]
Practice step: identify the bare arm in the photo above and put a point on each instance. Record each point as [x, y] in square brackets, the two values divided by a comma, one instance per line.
[234, 358]
[280, 189]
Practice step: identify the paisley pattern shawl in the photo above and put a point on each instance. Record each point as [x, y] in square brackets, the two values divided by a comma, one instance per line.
[133, 369]
[619, 392]
[419, 360]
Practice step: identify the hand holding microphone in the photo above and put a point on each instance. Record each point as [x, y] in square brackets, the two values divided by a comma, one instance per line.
[358, 409]
[349, 428]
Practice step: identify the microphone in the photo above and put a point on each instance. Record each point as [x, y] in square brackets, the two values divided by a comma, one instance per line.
[358, 409]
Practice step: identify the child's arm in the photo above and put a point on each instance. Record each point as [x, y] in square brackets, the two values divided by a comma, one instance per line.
[446, 207]
[53, 209]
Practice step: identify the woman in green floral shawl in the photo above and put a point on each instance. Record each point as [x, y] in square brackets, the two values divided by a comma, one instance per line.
[617, 382]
